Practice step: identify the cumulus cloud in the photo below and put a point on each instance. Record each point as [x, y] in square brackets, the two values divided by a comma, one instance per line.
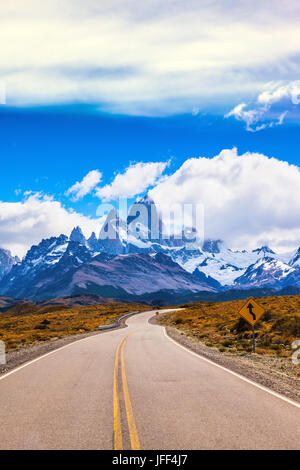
[26, 222]
[248, 199]
[277, 93]
[135, 57]
[260, 114]
[135, 180]
[84, 187]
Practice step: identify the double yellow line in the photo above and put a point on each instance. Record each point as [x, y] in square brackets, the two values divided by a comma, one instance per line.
[118, 437]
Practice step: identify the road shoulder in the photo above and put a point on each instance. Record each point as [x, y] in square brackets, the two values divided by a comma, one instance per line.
[20, 356]
[259, 369]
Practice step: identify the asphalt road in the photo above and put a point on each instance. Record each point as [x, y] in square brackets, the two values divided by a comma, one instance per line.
[134, 388]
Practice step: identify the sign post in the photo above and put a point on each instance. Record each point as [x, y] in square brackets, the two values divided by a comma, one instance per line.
[252, 312]
[253, 338]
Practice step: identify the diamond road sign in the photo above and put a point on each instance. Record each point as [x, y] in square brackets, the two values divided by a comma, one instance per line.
[251, 311]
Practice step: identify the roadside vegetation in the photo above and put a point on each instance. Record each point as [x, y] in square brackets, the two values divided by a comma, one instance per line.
[27, 324]
[220, 325]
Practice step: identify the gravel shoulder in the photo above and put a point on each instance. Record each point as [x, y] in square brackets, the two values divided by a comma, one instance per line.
[264, 370]
[20, 356]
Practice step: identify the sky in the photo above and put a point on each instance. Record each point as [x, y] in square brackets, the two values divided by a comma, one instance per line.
[191, 102]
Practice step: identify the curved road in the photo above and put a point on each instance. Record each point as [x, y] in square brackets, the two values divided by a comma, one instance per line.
[134, 388]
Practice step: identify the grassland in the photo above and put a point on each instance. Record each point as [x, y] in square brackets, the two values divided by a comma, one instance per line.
[27, 324]
[220, 325]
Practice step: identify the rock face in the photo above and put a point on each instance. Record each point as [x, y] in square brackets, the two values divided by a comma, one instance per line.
[93, 243]
[77, 236]
[124, 262]
[6, 262]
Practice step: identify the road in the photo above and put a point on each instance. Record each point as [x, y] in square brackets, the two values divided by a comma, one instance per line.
[134, 388]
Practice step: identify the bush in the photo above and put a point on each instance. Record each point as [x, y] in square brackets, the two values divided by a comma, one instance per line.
[227, 343]
[288, 325]
[240, 326]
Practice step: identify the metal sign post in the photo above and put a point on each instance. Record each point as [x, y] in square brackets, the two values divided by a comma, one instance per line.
[253, 338]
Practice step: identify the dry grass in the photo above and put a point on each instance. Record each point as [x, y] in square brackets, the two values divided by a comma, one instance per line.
[28, 323]
[220, 325]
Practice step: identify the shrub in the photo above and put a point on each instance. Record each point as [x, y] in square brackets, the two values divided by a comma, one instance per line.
[288, 324]
[227, 343]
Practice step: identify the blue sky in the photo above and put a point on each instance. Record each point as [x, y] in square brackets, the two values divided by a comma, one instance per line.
[103, 99]
[49, 149]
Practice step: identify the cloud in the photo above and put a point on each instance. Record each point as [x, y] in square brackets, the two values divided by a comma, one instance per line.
[84, 187]
[248, 199]
[277, 93]
[137, 58]
[262, 110]
[136, 179]
[26, 222]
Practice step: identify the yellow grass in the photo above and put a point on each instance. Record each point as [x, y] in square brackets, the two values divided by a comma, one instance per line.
[27, 324]
[220, 325]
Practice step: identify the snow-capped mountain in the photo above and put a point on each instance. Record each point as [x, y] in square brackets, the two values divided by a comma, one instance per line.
[52, 257]
[60, 267]
[124, 261]
[6, 262]
[295, 260]
[266, 272]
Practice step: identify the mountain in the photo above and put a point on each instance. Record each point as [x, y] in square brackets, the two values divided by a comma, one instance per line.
[6, 262]
[93, 243]
[202, 277]
[295, 261]
[77, 236]
[51, 259]
[266, 272]
[215, 260]
[264, 251]
[125, 263]
[8, 302]
[110, 239]
[59, 268]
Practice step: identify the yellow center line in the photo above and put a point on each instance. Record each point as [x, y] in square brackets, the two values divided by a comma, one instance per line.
[118, 441]
[118, 438]
[134, 438]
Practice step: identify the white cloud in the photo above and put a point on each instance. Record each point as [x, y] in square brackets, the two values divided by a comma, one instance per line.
[276, 93]
[26, 222]
[139, 57]
[248, 200]
[262, 112]
[135, 180]
[89, 182]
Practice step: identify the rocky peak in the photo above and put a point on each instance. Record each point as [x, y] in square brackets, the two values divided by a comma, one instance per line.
[77, 236]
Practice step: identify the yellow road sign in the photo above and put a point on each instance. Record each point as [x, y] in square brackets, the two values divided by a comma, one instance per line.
[251, 311]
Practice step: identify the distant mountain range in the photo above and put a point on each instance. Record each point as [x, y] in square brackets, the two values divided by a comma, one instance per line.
[126, 267]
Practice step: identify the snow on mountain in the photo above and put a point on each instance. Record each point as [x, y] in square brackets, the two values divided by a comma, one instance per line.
[295, 260]
[216, 261]
[124, 259]
[40, 261]
[266, 272]
[6, 262]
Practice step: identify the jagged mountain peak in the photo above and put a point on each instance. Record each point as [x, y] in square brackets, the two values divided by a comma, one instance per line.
[264, 249]
[7, 261]
[144, 221]
[92, 242]
[77, 235]
[267, 271]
